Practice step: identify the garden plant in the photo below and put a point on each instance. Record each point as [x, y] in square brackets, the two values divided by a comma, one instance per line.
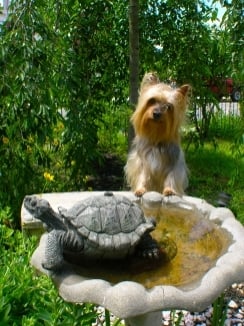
[64, 109]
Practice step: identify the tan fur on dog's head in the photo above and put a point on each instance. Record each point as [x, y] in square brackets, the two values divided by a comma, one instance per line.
[160, 110]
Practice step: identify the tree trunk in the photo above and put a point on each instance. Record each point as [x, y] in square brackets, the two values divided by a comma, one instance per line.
[134, 57]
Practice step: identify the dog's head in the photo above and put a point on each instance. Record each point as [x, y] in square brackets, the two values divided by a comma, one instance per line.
[160, 110]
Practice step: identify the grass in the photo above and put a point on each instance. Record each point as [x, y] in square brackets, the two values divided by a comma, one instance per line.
[219, 311]
[217, 168]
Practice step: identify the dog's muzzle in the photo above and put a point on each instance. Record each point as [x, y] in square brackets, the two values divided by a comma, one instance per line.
[157, 114]
[160, 110]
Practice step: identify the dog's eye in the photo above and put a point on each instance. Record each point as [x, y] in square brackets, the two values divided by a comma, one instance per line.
[167, 106]
[152, 101]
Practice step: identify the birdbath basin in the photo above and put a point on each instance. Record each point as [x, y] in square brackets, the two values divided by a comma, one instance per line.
[210, 257]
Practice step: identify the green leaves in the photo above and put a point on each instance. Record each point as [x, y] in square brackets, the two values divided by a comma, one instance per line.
[25, 298]
[68, 57]
[67, 62]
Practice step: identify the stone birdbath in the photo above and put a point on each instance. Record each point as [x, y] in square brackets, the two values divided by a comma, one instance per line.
[210, 258]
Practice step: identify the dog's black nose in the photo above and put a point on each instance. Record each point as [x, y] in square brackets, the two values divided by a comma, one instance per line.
[157, 114]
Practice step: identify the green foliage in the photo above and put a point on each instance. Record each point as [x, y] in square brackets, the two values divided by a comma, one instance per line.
[184, 47]
[219, 312]
[87, 76]
[26, 298]
[179, 29]
[26, 101]
[213, 169]
[176, 317]
[65, 64]
[233, 22]
[113, 130]
[54, 62]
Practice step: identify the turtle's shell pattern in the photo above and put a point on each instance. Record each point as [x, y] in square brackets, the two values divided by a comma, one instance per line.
[110, 223]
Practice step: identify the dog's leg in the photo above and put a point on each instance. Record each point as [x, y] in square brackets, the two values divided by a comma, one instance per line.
[140, 191]
[173, 185]
[175, 182]
[167, 191]
[140, 188]
[169, 188]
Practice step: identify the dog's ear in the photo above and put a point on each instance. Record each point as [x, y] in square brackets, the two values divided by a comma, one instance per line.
[149, 79]
[184, 90]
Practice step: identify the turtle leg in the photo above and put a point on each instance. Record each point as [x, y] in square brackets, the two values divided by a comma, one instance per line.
[57, 242]
[54, 250]
[148, 247]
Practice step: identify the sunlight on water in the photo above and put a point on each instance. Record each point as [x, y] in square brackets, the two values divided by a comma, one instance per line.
[199, 243]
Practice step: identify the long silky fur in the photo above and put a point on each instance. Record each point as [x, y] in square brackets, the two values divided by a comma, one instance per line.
[156, 161]
[156, 167]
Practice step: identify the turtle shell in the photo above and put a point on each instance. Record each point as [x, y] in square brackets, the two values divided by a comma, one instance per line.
[109, 223]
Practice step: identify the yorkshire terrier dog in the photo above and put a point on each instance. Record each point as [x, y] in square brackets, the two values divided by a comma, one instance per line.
[156, 161]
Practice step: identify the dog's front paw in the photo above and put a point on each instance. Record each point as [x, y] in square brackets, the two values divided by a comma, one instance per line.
[168, 191]
[140, 191]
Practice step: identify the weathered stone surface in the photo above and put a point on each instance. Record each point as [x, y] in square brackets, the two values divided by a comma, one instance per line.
[105, 226]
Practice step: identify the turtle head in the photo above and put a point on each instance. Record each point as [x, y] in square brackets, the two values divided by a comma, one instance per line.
[36, 206]
[41, 209]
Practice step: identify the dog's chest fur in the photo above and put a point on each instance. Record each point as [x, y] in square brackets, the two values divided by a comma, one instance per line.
[159, 158]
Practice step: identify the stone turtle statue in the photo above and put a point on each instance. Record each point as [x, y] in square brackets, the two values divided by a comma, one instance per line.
[100, 227]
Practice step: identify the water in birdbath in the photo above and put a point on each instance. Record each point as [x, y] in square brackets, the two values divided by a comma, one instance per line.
[193, 242]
